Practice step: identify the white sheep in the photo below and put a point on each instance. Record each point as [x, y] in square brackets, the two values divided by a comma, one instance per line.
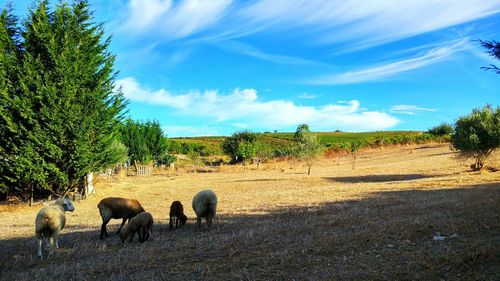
[205, 206]
[49, 221]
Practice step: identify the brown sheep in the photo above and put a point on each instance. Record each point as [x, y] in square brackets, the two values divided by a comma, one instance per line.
[50, 221]
[142, 224]
[177, 214]
[117, 208]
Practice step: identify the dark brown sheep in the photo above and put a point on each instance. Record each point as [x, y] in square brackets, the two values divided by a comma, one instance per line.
[117, 208]
[177, 214]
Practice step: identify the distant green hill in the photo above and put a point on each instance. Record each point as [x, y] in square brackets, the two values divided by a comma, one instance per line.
[212, 145]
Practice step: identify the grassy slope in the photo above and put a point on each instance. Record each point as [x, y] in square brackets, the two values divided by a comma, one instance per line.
[285, 139]
[373, 223]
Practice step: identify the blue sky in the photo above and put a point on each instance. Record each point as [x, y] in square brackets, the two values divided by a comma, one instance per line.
[218, 66]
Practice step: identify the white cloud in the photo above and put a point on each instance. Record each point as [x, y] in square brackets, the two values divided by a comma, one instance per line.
[408, 109]
[379, 72]
[242, 107]
[171, 19]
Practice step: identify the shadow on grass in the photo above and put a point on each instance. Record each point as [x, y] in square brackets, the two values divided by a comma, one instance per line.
[386, 235]
[381, 178]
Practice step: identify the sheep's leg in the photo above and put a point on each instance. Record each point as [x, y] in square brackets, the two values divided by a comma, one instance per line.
[198, 221]
[170, 224]
[51, 242]
[123, 222]
[132, 236]
[57, 243]
[104, 231]
[40, 240]
[177, 223]
[209, 221]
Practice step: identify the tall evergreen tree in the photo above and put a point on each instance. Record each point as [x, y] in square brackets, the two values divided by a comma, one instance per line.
[65, 109]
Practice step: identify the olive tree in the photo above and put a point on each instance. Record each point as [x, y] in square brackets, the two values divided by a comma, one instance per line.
[477, 135]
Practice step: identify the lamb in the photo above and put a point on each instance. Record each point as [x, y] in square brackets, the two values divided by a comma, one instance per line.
[117, 208]
[142, 224]
[205, 205]
[177, 213]
[49, 221]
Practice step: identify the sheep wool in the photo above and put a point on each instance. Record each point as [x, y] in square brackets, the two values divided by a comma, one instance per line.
[205, 206]
[49, 221]
[142, 224]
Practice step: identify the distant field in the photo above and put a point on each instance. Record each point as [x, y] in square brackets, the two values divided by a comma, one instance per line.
[330, 139]
[405, 213]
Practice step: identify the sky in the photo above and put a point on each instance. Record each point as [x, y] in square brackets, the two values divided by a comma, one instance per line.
[214, 67]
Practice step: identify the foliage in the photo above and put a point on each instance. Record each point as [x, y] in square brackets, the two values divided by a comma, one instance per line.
[301, 130]
[231, 145]
[144, 140]
[309, 149]
[263, 152]
[59, 122]
[440, 130]
[246, 150]
[477, 135]
[493, 49]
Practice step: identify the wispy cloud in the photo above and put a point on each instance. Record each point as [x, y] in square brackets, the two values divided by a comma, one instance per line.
[251, 51]
[245, 108]
[360, 23]
[408, 109]
[308, 96]
[391, 69]
[173, 19]
[367, 23]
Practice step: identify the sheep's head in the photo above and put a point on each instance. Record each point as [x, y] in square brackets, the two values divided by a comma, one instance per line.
[66, 203]
[183, 219]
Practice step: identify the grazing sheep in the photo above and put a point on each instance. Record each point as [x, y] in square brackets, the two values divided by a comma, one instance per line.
[49, 221]
[205, 206]
[117, 208]
[177, 213]
[140, 224]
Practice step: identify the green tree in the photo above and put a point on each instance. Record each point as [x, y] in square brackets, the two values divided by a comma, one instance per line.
[477, 135]
[246, 150]
[145, 141]
[60, 120]
[309, 149]
[301, 130]
[263, 152]
[230, 146]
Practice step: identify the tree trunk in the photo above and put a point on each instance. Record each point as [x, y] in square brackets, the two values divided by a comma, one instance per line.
[31, 194]
[309, 169]
[244, 165]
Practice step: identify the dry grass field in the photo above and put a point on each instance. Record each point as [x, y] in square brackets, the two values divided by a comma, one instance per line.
[376, 222]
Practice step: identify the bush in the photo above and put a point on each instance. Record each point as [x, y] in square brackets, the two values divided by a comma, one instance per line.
[477, 135]
[231, 145]
[443, 129]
